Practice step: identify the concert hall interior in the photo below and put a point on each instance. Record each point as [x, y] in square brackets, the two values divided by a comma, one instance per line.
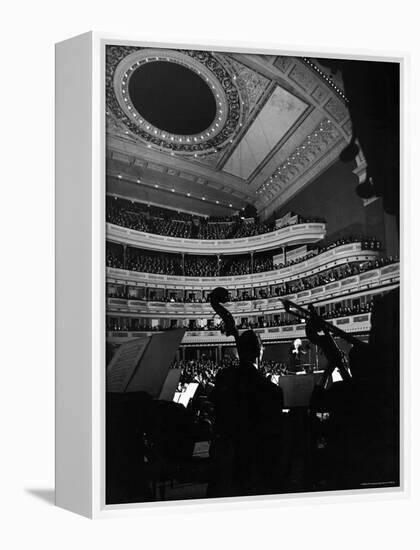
[252, 274]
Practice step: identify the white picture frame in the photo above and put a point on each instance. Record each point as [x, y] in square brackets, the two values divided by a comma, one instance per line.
[80, 277]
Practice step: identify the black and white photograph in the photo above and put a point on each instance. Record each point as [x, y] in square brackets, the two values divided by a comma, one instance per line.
[210, 302]
[252, 274]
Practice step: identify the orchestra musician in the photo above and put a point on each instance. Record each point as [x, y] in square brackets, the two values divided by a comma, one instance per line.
[248, 413]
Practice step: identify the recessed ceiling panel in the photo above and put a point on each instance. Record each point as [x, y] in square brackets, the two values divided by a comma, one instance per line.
[277, 116]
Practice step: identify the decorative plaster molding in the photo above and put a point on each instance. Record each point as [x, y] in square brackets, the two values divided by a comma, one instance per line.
[123, 61]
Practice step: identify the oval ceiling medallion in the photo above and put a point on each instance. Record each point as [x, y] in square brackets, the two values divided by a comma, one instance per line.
[179, 101]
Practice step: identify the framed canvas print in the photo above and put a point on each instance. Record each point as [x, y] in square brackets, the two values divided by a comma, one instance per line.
[228, 274]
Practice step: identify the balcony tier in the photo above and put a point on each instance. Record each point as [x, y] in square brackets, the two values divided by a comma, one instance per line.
[304, 233]
[384, 277]
[359, 324]
[331, 258]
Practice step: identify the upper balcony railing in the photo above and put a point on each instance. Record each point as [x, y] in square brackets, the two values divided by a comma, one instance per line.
[339, 255]
[302, 233]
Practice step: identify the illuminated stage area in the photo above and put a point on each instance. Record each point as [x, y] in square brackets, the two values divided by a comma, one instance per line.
[252, 275]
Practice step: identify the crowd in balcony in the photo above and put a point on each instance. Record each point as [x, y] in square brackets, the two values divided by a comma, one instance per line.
[163, 264]
[210, 266]
[298, 285]
[201, 266]
[171, 223]
[366, 243]
[331, 275]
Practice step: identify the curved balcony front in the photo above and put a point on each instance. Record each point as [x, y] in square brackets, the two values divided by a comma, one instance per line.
[303, 233]
[339, 255]
[386, 277]
[356, 324]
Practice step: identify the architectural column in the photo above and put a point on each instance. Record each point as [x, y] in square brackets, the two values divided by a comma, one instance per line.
[252, 262]
[124, 256]
[183, 263]
[284, 255]
[218, 265]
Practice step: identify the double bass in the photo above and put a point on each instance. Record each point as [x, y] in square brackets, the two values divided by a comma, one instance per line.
[247, 431]
[220, 296]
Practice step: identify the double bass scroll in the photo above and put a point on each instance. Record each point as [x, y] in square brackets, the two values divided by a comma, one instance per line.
[220, 296]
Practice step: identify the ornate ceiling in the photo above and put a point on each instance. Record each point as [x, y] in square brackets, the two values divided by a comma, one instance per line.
[269, 125]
